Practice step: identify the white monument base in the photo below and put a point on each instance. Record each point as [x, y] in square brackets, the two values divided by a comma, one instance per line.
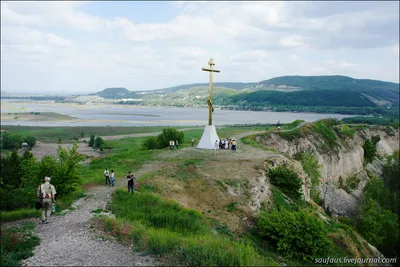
[208, 138]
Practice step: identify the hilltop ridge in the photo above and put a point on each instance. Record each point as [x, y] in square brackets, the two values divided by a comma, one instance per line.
[333, 91]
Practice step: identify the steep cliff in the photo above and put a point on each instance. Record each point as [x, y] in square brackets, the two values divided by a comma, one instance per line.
[339, 150]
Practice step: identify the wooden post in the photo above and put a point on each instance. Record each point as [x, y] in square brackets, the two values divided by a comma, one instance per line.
[209, 100]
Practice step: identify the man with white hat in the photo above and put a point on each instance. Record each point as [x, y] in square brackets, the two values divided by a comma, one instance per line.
[47, 193]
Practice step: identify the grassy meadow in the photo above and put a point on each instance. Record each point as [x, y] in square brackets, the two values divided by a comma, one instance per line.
[176, 234]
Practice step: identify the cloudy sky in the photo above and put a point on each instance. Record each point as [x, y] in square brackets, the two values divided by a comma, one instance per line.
[88, 46]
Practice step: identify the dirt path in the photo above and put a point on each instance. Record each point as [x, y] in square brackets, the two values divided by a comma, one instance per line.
[69, 241]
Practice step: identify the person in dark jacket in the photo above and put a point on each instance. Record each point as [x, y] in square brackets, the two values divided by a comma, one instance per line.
[131, 182]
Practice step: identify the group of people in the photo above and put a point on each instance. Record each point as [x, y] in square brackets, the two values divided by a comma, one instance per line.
[110, 180]
[225, 144]
[173, 144]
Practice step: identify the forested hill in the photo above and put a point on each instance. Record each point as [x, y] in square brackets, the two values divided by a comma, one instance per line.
[335, 91]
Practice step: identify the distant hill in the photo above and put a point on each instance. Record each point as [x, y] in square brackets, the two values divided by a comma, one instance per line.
[116, 93]
[335, 91]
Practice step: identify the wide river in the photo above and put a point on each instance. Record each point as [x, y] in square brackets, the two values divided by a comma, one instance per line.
[118, 115]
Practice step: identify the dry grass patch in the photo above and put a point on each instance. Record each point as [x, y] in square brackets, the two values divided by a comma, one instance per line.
[216, 188]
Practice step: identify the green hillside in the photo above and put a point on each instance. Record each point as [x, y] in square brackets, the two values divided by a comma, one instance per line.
[298, 91]
[335, 82]
[116, 93]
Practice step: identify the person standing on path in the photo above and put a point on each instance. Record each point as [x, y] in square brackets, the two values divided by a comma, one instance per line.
[131, 182]
[112, 177]
[192, 142]
[47, 194]
[216, 145]
[177, 144]
[107, 175]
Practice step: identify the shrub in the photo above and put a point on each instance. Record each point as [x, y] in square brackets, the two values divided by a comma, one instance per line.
[379, 226]
[17, 243]
[30, 140]
[162, 140]
[391, 174]
[150, 143]
[20, 176]
[370, 149]
[98, 142]
[91, 140]
[298, 234]
[286, 180]
[11, 141]
[352, 182]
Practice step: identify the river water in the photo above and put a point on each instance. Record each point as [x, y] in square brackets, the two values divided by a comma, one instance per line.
[119, 115]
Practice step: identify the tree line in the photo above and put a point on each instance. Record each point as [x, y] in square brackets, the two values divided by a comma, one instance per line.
[14, 141]
[20, 176]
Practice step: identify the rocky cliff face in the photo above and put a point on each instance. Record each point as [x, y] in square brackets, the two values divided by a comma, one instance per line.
[337, 165]
[347, 160]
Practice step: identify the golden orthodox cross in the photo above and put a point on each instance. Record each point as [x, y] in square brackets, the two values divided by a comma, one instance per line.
[209, 100]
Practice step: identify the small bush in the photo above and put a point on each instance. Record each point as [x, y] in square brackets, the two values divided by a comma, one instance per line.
[30, 140]
[352, 182]
[151, 143]
[17, 244]
[286, 180]
[299, 234]
[370, 148]
[91, 140]
[162, 140]
[99, 143]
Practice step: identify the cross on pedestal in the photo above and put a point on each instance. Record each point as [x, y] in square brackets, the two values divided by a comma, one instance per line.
[209, 139]
[209, 100]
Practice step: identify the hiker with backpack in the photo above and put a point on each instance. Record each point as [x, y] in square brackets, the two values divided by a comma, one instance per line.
[46, 194]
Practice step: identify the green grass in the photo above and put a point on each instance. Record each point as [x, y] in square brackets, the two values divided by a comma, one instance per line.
[294, 124]
[66, 201]
[9, 216]
[152, 211]
[17, 243]
[127, 155]
[52, 134]
[61, 204]
[291, 135]
[324, 129]
[178, 234]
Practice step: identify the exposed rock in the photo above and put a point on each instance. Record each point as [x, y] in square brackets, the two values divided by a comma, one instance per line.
[346, 160]
[338, 202]
[260, 190]
[376, 166]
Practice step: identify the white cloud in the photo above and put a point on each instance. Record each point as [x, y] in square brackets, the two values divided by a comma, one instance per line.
[249, 41]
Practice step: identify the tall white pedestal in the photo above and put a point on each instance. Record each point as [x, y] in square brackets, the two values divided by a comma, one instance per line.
[208, 138]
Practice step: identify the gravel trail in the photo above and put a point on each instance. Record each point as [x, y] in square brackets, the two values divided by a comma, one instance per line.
[69, 241]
